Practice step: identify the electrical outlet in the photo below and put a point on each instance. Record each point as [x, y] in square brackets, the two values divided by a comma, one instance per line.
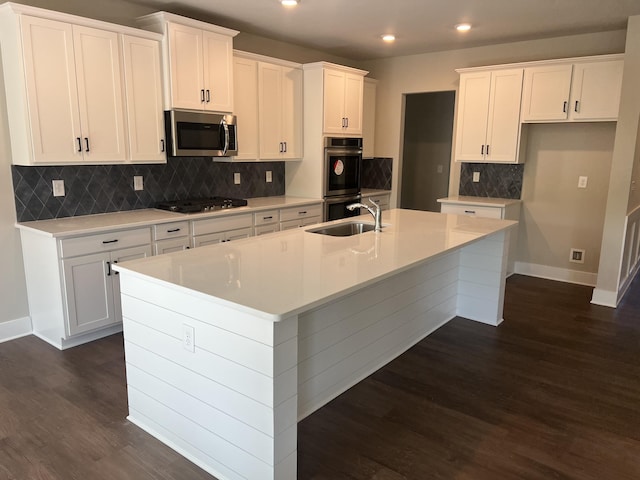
[576, 255]
[440, 169]
[236, 178]
[188, 338]
[582, 182]
[137, 182]
[269, 176]
[476, 177]
[58, 188]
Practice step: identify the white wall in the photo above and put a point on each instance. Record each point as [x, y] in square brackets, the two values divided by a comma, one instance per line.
[619, 201]
[13, 296]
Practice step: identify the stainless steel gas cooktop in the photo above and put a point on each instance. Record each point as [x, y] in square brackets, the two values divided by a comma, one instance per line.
[197, 205]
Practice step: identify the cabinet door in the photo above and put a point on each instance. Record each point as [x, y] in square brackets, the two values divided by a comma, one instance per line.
[122, 255]
[97, 55]
[334, 97]
[208, 239]
[143, 90]
[186, 66]
[353, 103]
[292, 112]
[245, 91]
[270, 111]
[52, 93]
[503, 126]
[218, 72]
[473, 108]
[238, 234]
[89, 292]
[170, 245]
[545, 93]
[263, 229]
[595, 90]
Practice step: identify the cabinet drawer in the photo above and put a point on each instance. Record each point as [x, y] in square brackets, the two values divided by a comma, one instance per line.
[171, 230]
[473, 210]
[104, 242]
[266, 217]
[293, 213]
[262, 229]
[213, 225]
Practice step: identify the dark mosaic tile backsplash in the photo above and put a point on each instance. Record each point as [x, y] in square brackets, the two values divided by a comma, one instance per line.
[496, 180]
[376, 173]
[109, 188]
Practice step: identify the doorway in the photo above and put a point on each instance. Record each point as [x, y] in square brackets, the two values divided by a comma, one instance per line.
[426, 157]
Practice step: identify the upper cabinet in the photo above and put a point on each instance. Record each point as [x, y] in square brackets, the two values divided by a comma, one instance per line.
[143, 87]
[488, 125]
[369, 117]
[341, 90]
[198, 68]
[268, 106]
[582, 90]
[67, 98]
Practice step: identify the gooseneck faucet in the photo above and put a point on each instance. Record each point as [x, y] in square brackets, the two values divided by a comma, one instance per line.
[377, 213]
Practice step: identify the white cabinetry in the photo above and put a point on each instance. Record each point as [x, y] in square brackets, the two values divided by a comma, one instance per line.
[369, 117]
[266, 221]
[268, 104]
[343, 98]
[488, 120]
[585, 89]
[294, 217]
[488, 208]
[217, 230]
[280, 111]
[171, 237]
[66, 90]
[143, 89]
[198, 68]
[245, 91]
[73, 292]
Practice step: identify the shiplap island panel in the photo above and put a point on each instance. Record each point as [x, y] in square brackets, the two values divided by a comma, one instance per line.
[279, 325]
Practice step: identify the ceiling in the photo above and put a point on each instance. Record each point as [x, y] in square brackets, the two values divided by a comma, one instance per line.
[352, 28]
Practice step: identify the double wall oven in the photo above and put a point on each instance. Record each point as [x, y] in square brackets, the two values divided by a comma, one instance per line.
[342, 170]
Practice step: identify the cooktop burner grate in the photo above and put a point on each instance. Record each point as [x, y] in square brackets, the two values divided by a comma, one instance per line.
[197, 205]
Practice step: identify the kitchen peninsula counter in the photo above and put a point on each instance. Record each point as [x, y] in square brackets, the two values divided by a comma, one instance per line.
[229, 346]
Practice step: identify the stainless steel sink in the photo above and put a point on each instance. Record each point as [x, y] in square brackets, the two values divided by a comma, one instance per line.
[344, 229]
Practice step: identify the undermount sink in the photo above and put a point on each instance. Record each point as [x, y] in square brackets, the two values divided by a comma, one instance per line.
[344, 229]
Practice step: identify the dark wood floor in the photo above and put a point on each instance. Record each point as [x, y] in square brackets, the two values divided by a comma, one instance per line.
[553, 393]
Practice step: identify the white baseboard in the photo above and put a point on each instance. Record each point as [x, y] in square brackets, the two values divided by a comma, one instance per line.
[606, 298]
[15, 329]
[555, 273]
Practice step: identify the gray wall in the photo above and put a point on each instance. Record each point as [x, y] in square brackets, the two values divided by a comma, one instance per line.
[428, 128]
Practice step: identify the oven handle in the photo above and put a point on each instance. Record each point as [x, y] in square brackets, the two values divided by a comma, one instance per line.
[343, 151]
[342, 199]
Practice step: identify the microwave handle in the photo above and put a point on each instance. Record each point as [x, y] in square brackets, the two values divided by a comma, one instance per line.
[224, 125]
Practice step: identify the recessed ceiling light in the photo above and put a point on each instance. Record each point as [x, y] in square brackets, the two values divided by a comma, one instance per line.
[463, 27]
[289, 3]
[389, 38]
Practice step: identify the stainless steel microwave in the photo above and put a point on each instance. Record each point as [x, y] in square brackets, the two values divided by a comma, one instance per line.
[200, 134]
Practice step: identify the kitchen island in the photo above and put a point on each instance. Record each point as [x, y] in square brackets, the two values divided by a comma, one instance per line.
[229, 346]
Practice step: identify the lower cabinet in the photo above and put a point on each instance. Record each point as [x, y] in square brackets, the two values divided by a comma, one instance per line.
[295, 217]
[507, 211]
[266, 222]
[171, 237]
[217, 230]
[74, 294]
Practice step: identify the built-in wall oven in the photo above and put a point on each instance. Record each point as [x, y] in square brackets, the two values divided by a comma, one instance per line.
[342, 170]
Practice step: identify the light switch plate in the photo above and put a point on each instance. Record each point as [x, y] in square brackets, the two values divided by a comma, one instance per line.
[236, 178]
[137, 182]
[476, 177]
[58, 188]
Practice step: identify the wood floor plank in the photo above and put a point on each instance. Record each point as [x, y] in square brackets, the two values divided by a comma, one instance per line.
[553, 393]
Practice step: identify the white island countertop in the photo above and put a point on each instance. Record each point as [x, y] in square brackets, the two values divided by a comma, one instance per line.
[288, 272]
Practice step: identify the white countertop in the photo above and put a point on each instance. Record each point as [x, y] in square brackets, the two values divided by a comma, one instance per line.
[480, 201]
[87, 224]
[289, 272]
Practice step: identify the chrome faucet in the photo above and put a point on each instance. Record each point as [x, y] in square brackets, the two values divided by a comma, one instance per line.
[377, 213]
